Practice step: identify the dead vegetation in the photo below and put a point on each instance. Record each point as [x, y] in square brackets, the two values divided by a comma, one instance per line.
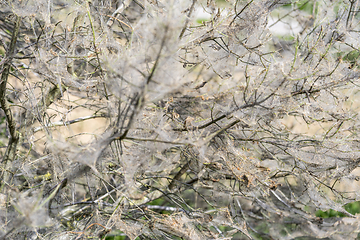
[145, 120]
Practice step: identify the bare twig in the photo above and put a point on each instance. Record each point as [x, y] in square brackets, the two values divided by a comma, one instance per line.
[14, 134]
[188, 18]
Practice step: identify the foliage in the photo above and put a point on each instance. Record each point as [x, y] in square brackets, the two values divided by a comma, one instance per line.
[352, 208]
[138, 119]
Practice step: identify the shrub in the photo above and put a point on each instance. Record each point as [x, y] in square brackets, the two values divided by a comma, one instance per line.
[147, 120]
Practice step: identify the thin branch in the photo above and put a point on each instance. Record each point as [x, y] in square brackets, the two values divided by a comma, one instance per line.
[62, 123]
[14, 134]
[187, 19]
